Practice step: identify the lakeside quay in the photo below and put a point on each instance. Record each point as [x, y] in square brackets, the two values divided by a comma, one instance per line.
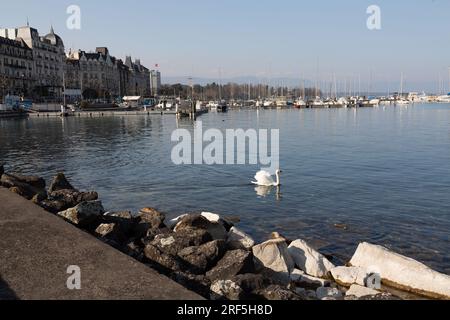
[36, 249]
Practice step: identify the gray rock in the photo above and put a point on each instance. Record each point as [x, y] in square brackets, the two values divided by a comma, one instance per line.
[67, 198]
[272, 257]
[225, 289]
[174, 242]
[238, 239]
[328, 293]
[21, 188]
[133, 249]
[53, 206]
[234, 262]
[2, 169]
[148, 220]
[85, 214]
[309, 260]
[279, 293]
[38, 198]
[216, 230]
[308, 282]
[153, 233]
[151, 216]
[163, 262]
[124, 219]
[60, 182]
[111, 233]
[201, 258]
[250, 283]
[197, 283]
[34, 181]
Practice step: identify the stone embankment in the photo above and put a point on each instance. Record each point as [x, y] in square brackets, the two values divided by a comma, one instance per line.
[211, 256]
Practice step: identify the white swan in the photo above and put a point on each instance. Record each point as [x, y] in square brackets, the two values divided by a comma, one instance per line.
[263, 178]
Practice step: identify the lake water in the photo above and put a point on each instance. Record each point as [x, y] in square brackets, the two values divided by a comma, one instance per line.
[383, 172]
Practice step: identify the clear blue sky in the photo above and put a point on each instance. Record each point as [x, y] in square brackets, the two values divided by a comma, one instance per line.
[264, 38]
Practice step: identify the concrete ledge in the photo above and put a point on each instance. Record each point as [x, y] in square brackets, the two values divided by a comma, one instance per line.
[37, 247]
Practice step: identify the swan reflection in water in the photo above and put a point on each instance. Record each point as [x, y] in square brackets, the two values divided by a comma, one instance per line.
[264, 191]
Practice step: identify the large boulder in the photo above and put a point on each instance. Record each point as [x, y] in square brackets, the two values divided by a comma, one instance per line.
[309, 260]
[346, 276]
[85, 214]
[234, 262]
[216, 230]
[60, 182]
[202, 258]
[402, 272]
[238, 239]
[273, 258]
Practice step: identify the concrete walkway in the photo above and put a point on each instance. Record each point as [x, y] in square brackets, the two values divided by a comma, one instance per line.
[36, 248]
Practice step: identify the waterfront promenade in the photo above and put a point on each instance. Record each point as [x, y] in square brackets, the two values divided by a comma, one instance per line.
[36, 248]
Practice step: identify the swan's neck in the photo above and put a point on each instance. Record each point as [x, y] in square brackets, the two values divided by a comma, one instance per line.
[278, 183]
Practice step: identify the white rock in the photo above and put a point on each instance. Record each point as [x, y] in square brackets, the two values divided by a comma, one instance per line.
[165, 242]
[172, 223]
[302, 278]
[274, 255]
[324, 293]
[346, 276]
[212, 217]
[238, 239]
[309, 260]
[402, 272]
[360, 291]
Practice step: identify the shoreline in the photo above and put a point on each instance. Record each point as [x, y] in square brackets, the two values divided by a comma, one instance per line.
[210, 255]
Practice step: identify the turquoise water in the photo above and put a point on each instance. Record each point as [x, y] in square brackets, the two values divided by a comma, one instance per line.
[384, 172]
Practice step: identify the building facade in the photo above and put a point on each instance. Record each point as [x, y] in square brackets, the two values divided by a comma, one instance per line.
[16, 68]
[48, 56]
[37, 66]
[155, 82]
[139, 79]
[100, 75]
[96, 74]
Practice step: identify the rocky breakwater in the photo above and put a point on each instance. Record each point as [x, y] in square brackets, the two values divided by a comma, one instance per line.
[210, 255]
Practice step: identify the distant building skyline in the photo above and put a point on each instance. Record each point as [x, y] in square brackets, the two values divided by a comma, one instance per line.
[288, 39]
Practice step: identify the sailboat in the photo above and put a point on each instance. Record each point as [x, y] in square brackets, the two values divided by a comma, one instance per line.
[401, 99]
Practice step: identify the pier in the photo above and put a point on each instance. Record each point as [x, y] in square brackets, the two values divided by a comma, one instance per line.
[36, 249]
